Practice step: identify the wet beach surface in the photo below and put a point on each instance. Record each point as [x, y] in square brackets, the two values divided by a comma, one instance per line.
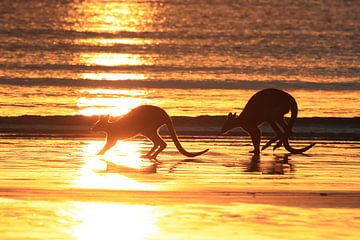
[57, 188]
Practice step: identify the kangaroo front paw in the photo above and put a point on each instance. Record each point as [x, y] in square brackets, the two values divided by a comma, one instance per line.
[153, 157]
[256, 152]
[278, 144]
[266, 146]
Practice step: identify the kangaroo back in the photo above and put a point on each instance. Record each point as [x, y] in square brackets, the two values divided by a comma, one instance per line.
[170, 126]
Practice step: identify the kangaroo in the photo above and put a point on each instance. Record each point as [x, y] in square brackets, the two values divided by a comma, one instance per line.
[268, 105]
[145, 120]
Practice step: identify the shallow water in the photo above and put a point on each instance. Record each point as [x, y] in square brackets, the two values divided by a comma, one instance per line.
[59, 189]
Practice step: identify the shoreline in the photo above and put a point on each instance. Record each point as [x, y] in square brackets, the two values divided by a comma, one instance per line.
[331, 128]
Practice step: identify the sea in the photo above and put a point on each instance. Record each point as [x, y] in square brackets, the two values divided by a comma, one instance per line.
[203, 57]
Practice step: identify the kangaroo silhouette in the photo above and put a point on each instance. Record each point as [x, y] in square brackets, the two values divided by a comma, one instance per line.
[268, 105]
[145, 120]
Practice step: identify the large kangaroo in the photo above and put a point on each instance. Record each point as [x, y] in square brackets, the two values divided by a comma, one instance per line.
[268, 105]
[145, 120]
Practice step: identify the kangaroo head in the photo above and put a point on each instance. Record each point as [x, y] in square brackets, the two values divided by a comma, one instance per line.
[230, 123]
[101, 124]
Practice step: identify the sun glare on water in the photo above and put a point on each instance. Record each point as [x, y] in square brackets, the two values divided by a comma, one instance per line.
[101, 101]
[114, 170]
[111, 59]
[113, 76]
[112, 16]
[110, 101]
[103, 106]
[113, 65]
[115, 221]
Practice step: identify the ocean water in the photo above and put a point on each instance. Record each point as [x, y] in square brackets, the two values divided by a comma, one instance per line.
[203, 57]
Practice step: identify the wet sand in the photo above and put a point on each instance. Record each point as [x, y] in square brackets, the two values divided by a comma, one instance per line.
[57, 188]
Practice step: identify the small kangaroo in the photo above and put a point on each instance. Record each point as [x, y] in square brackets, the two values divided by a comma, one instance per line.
[268, 105]
[145, 120]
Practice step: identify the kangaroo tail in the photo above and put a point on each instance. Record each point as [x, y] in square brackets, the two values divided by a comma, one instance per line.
[294, 112]
[177, 143]
[296, 150]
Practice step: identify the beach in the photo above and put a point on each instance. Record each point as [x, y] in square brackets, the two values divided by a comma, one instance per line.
[65, 63]
[58, 188]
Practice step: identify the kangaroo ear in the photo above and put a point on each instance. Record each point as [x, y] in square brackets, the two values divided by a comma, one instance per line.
[104, 117]
[230, 116]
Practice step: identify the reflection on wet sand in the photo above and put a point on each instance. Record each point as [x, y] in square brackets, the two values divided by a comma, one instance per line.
[112, 170]
[146, 168]
[75, 220]
[114, 221]
[70, 193]
[183, 162]
[279, 165]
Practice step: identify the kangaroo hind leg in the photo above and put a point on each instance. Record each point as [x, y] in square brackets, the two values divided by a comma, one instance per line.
[275, 138]
[285, 126]
[110, 142]
[279, 125]
[287, 132]
[148, 155]
[281, 134]
[159, 144]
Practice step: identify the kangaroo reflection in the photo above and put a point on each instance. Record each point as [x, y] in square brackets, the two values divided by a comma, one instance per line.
[145, 167]
[173, 167]
[280, 165]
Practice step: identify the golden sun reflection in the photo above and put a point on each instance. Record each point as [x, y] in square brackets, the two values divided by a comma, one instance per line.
[114, 16]
[103, 106]
[113, 102]
[113, 76]
[115, 221]
[121, 92]
[111, 59]
[108, 172]
[114, 41]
